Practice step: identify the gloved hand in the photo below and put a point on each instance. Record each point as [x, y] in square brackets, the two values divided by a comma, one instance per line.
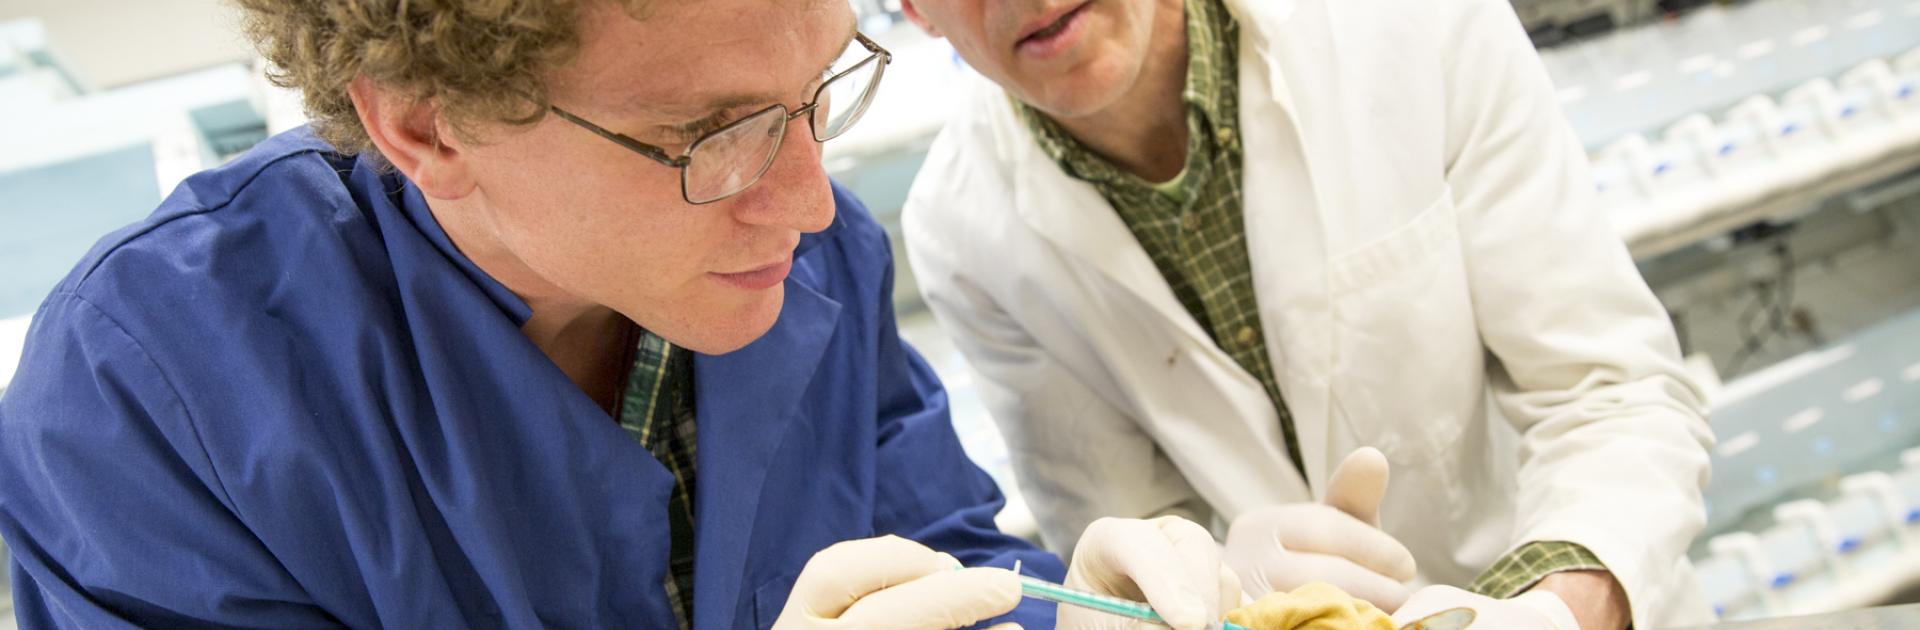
[1338, 541]
[892, 582]
[1533, 610]
[1169, 562]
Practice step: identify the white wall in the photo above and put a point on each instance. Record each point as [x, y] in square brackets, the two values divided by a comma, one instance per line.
[110, 43]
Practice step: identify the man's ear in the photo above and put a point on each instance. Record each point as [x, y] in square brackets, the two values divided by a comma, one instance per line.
[913, 15]
[410, 135]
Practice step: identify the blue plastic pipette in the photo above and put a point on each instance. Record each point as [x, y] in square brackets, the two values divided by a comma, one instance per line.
[1041, 589]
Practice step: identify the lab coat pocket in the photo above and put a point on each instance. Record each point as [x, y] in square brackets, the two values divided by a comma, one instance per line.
[770, 598]
[1403, 337]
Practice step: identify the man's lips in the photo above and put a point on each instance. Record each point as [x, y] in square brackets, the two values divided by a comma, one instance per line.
[1049, 24]
[763, 277]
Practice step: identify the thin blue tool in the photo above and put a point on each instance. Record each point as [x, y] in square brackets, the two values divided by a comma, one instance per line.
[1043, 590]
[1450, 619]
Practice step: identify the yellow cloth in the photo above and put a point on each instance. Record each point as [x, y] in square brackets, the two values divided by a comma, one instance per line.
[1316, 606]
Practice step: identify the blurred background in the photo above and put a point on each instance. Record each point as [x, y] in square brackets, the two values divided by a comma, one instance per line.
[1761, 159]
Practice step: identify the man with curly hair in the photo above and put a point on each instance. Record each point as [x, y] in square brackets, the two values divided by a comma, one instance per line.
[552, 319]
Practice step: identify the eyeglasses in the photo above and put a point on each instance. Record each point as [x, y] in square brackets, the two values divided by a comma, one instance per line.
[730, 159]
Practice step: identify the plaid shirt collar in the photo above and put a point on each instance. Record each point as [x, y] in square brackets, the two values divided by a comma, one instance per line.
[1210, 91]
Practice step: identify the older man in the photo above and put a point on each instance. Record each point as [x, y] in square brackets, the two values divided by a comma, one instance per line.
[1200, 251]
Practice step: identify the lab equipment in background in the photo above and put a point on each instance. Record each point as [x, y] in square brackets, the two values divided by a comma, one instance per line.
[1556, 22]
[1787, 132]
[1644, 78]
[1856, 550]
[1731, 575]
[1891, 94]
[1614, 184]
[1723, 149]
[1812, 179]
[1657, 168]
[1790, 431]
[1809, 519]
[1879, 490]
[1869, 546]
[1838, 113]
[1800, 564]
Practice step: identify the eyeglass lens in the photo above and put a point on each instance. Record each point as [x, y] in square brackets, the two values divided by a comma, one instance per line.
[734, 158]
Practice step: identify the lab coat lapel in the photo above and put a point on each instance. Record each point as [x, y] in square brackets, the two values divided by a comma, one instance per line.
[1287, 225]
[1073, 216]
[1262, 19]
[746, 401]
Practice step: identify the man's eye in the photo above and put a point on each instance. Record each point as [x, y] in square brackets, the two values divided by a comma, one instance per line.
[700, 129]
[688, 133]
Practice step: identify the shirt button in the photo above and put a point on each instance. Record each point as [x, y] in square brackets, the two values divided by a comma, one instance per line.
[1244, 335]
[1224, 135]
[1191, 222]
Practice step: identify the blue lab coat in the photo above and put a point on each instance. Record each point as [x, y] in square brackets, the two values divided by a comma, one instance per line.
[286, 400]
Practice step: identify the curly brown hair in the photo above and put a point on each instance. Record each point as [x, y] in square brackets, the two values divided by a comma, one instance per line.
[477, 60]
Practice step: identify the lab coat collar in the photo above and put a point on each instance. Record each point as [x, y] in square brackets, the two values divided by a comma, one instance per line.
[414, 205]
[1261, 16]
[746, 401]
[1072, 215]
[1261, 23]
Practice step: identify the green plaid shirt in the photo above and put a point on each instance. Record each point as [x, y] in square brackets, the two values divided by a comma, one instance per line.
[657, 410]
[1191, 227]
[1193, 230]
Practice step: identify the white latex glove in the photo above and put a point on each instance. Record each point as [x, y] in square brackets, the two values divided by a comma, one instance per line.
[1532, 610]
[1170, 563]
[1337, 541]
[892, 582]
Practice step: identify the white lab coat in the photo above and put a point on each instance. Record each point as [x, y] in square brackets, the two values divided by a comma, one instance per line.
[1422, 244]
